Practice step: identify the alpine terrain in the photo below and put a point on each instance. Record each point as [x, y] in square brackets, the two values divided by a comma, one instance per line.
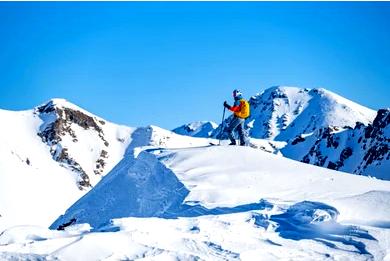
[321, 128]
[313, 185]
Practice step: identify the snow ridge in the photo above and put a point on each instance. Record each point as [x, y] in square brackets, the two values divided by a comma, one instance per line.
[282, 113]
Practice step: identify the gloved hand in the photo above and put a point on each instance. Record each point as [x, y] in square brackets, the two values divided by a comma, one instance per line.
[226, 105]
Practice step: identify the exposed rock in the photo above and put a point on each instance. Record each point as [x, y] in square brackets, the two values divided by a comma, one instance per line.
[364, 147]
[62, 125]
[67, 224]
[68, 162]
[298, 140]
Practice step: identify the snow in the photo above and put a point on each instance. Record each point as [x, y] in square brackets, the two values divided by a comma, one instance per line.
[173, 197]
[207, 203]
[254, 174]
[281, 113]
[202, 129]
[35, 189]
[349, 148]
[35, 193]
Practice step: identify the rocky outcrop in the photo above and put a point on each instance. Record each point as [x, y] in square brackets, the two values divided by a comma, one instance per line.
[363, 150]
[58, 124]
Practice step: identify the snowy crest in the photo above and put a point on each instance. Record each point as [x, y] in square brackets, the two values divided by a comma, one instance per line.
[282, 113]
[197, 129]
[81, 141]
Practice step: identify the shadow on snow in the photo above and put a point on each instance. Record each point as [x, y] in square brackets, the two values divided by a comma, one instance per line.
[315, 221]
[144, 187]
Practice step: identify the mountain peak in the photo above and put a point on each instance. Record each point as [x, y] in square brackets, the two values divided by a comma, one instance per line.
[197, 129]
[283, 112]
[60, 103]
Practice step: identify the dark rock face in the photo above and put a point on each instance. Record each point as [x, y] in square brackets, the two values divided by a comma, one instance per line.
[363, 148]
[376, 142]
[345, 154]
[53, 133]
[298, 140]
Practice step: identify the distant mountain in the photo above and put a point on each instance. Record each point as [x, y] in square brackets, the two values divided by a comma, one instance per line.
[52, 155]
[283, 113]
[161, 195]
[197, 129]
[307, 121]
[80, 141]
[363, 150]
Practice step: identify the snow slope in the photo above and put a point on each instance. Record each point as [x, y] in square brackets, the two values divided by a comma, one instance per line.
[176, 197]
[34, 188]
[202, 202]
[40, 179]
[52, 155]
[364, 150]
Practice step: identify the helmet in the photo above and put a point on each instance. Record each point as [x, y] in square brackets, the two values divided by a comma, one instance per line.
[236, 93]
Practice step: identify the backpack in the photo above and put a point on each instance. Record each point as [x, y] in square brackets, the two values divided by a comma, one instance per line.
[245, 109]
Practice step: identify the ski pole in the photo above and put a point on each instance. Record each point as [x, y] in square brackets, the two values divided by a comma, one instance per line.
[222, 125]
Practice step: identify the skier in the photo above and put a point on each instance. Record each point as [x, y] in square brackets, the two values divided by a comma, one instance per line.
[241, 112]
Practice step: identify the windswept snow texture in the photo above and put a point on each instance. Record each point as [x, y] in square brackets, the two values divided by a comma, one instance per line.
[202, 203]
[304, 231]
[202, 129]
[151, 194]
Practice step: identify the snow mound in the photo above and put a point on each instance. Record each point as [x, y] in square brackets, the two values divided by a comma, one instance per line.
[141, 187]
[206, 203]
[191, 182]
[308, 212]
[373, 208]
[216, 175]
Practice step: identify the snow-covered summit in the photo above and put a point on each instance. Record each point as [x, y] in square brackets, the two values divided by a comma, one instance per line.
[79, 140]
[197, 129]
[52, 155]
[282, 113]
[61, 103]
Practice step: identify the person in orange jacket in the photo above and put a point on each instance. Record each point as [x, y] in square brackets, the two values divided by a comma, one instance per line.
[241, 111]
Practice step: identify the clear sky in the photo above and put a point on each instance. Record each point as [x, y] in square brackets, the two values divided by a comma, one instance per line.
[169, 63]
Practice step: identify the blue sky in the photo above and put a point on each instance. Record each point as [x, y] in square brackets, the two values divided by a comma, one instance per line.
[169, 63]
